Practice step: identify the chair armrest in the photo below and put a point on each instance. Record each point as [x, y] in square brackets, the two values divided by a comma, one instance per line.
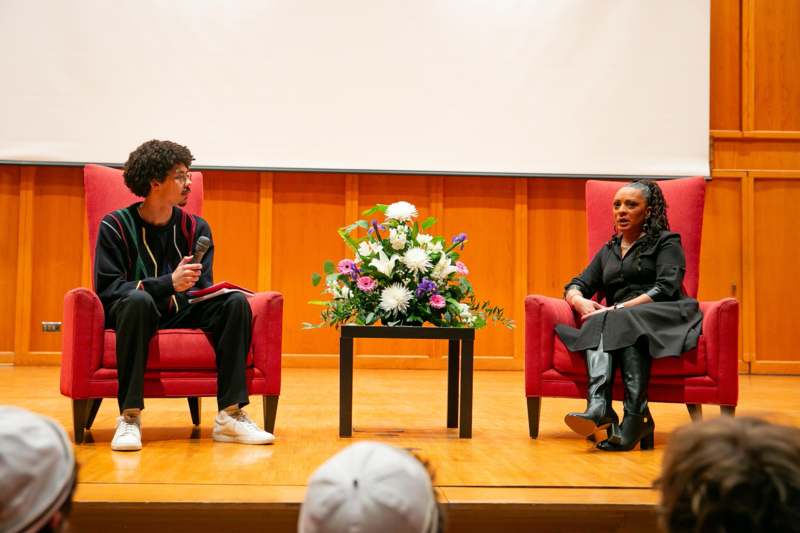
[81, 341]
[542, 313]
[721, 333]
[267, 308]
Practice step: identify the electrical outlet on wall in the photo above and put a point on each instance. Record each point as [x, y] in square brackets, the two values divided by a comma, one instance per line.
[51, 327]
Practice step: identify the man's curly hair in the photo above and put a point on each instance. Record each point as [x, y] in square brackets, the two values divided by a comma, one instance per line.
[152, 161]
[731, 475]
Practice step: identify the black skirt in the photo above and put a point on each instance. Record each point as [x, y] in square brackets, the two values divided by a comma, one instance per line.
[670, 328]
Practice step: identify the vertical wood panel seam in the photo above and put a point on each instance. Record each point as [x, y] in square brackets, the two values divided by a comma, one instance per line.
[520, 264]
[748, 65]
[265, 229]
[748, 311]
[437, 350]
[23, 302]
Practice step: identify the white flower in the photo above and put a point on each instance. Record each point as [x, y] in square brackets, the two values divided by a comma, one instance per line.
[397, 238]
[395, 298]
[368, 248]
[401, 211]
[424, 238]
[435, 247]
[417, 260]
[443, 268]
[465, 314]
[384, 264]
[339, 292]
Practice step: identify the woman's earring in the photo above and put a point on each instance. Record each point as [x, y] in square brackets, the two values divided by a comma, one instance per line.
[646, 227]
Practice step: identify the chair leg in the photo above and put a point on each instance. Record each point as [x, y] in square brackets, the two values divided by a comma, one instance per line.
[727, 410]
[194, 409]
[94, 406]
[270, 404]
[534, 410]
[695, 411]
[80, 409]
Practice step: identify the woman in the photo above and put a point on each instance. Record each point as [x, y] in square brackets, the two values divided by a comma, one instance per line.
[647, 315]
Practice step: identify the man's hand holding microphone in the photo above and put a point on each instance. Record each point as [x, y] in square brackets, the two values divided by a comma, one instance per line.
[189, 269]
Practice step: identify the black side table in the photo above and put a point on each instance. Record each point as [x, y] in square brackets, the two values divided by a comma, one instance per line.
[461, 341]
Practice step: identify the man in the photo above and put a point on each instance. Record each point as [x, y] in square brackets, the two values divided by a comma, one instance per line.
[143, 268]
[731, 475]
[38, 472]
[371, 486]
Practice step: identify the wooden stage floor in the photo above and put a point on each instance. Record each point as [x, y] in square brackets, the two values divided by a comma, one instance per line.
[183, 481]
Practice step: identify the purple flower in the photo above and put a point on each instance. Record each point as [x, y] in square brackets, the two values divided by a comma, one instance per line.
[425, 286]
[376, 227]
[458, 239]
[346, 266]
[437, 301]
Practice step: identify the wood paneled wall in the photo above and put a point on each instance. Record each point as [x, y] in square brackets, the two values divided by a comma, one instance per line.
[526, 235]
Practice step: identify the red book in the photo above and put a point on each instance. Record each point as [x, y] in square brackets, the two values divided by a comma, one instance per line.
[217, 289]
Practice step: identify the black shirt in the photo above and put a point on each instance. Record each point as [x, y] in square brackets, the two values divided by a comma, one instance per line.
[656, 269]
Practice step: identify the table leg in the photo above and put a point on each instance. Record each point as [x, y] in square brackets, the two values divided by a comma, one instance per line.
[345, 387]
[452, 384]
[465, 426]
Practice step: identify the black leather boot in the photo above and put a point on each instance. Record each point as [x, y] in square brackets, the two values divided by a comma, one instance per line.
[599, 414]
[637, 425]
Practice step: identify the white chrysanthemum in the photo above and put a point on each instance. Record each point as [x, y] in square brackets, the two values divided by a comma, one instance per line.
[383, 264]
[424, 239]
[417, 260]
[397, 238]
[395, 298]
[401, 211]
[443, 268]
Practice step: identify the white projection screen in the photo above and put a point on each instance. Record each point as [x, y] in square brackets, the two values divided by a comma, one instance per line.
[528, 87]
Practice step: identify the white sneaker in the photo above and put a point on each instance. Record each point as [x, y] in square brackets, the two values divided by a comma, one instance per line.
[239, 428]
[128, 437]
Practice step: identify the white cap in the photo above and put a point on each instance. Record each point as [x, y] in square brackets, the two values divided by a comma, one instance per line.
[37, 466]
[368, 487]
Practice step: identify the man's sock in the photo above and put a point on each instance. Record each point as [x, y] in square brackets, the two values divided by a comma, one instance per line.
[131, 415]
[232, 409]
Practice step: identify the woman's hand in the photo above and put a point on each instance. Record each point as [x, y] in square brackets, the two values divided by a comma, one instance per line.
[585, 307]
[599, 309]
[186, 274]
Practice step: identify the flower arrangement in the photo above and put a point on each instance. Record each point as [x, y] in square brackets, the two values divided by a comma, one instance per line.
[401, 276]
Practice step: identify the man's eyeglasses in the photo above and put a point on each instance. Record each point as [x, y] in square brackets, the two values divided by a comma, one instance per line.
[183, 177]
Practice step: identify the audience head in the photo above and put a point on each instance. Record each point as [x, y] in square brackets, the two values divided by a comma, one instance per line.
[37, 472]
[153, 160]
[731, 475]
[367, 487]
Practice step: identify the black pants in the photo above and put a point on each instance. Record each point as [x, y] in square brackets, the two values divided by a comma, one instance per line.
[226, 319]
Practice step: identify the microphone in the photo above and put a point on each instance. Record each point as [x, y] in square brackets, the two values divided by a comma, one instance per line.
[200, 248]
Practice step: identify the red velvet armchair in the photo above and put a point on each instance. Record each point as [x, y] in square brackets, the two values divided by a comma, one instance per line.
[181, 362]
[706, 375]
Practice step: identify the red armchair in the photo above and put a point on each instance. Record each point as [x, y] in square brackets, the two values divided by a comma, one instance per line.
[181, 362]
[707, 374]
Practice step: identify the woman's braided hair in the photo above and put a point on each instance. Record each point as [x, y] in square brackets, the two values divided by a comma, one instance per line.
[656, 221]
